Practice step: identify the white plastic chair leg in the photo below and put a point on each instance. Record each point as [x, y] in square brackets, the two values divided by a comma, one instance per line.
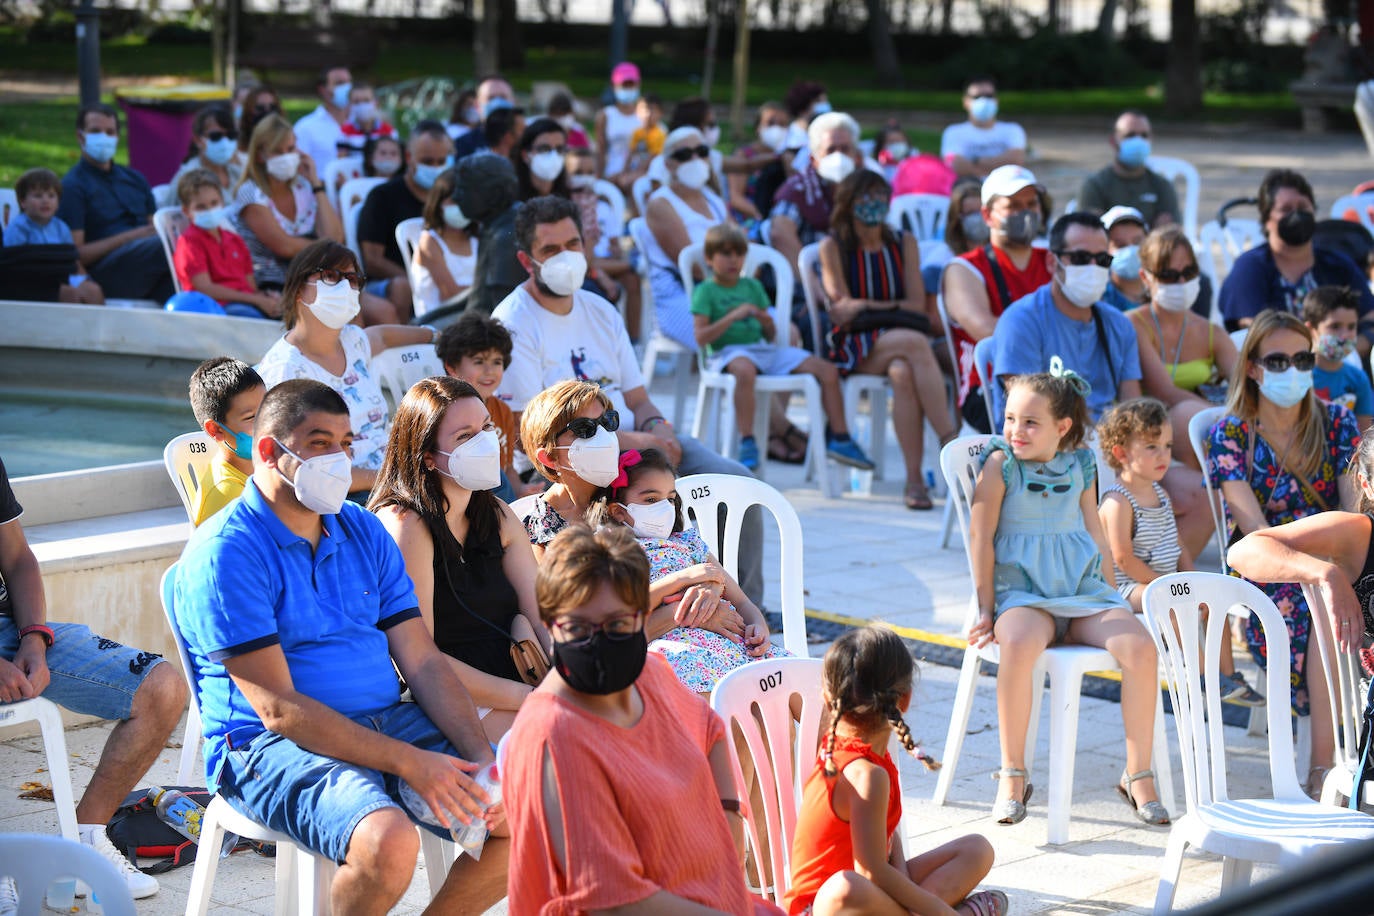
[877, 432]
[682, 378]
[190, 744]
[1235, 873]
[1162, 763]
[1033, 727]
[1169, 873]
[438, 854]
[49, 719]
[314, 875]
[819, 464]
[949, 523]
[203, 872]
[1065, 699]
[958, 724]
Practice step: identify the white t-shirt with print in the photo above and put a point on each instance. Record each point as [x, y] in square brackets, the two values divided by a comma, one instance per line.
[589, 343]
[968, 140]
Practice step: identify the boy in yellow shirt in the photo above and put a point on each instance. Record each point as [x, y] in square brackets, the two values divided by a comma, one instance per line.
[225, 396]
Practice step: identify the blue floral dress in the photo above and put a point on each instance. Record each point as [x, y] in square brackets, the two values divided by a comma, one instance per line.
[1283, 500]
[700, 658]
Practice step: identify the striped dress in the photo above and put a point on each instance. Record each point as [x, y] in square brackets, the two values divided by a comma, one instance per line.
[1154, 537]
[873, 275]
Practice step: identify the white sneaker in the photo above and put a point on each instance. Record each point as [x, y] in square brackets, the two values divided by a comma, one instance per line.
[140, 885]
[9, 897]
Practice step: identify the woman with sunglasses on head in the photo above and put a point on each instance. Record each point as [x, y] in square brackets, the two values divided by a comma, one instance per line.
[678, 214]
[1280, 455]
[260, 102]
[214, 148]
[1183, 357]
[320, 300]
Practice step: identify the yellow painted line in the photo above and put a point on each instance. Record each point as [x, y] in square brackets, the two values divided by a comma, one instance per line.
[939, 639]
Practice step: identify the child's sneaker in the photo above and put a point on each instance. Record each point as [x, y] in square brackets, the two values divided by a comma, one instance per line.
[749, 453]
[847, 452]
[1234, 689]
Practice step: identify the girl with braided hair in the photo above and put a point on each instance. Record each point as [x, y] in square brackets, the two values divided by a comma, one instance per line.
[846, 854]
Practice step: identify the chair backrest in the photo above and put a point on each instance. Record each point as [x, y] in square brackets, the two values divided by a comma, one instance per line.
[400, 367]
[1218, 246]
[186, 457]
[407, 237]
[809, 270]
[1193, 603]
[1174, 169]
[640, 190]
[694, 256]
[945, 323]
[1199, 427]
[1343, 672]
[164, 195]
[982, 361]
[337, 173]
[9, 206]
[960, 462]
[170, 223]
[705, 495]
[612, 195]
[168, 591]
[923, 215]
[524, 506]
[351, 199]
[759, 699]
[1361, 204]
[35, 860]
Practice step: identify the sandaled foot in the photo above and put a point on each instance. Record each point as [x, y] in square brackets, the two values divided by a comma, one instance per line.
[1010, 810]
[984, 903]
[1150, 812]
[789, 447]
[1316, 777]
[918, 497]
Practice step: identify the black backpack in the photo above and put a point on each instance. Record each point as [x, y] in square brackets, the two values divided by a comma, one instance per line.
[136, 830]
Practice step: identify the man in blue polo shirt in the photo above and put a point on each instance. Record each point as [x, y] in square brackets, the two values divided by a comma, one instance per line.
[293, 603]
[109, 208]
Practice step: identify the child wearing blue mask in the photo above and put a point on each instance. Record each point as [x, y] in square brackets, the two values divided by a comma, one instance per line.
[211, 260]
[225, 396]
[39, 191]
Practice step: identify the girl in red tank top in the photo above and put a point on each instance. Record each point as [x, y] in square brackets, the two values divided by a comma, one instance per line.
[846, 853]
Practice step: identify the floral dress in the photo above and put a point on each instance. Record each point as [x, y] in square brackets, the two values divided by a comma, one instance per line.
[700, 658]
[544, 522]
[1283, 500]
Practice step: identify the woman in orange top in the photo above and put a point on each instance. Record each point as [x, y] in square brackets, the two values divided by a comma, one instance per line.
[846, 854]
[613, 768]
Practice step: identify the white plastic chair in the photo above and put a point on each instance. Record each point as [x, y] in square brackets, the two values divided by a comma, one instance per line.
[1199, 427]
[170, 223]
[608, 192]
[1174, 169]
[49, 718]
[716, 390]
[186, 457]
[923, 215]
[1284, 830]
[9, 206]
[960, 461]
[641, 189]
[982, 361]
[1218, 247]
[524, 506]
[351, 198]
[400, 367]
[337, 173]
[1346, 702]
[407, 237]
[164, 195]
[35, 860]
[656, 343]
[702, 496]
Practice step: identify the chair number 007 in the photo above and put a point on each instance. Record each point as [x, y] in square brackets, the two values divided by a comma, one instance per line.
[700, 492]
[773, 680]
[1178, 588]
[198, 448]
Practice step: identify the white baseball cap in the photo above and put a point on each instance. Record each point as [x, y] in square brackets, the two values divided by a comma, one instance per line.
[1006, 180]
[1123, 215]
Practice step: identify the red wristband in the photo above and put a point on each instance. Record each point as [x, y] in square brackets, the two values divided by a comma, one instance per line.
[49, 637]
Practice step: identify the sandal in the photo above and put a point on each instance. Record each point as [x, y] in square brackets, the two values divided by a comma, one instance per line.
[1150, 812]
[918, 497]
[1010, 811]
[789, 447]
[1316, 778]
[984, 903]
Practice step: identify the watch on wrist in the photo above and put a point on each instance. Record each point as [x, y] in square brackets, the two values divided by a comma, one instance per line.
[317, 189]
[44, 631]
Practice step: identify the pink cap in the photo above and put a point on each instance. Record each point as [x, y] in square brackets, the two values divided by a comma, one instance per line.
[624, 73]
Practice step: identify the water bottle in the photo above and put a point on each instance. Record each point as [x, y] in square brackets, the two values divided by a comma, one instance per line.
[61, 895]
[473, 837]
[178, 811]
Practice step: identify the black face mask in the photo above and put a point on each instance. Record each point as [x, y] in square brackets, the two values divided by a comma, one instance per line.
[1298, 227]
[1021, 228]
[601, 665]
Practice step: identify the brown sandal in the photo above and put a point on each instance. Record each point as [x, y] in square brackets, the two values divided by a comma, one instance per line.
[918, 497]
[789, 447]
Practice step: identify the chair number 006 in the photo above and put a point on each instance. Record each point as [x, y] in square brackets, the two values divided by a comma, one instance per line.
[1179, 588]
[700, 492]
[773, 680]
[198, 448]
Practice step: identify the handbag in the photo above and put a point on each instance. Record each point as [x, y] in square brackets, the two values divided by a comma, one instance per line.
[871, 319]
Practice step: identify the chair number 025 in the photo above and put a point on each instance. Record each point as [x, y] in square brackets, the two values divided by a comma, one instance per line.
[773, 680]
[700, 492]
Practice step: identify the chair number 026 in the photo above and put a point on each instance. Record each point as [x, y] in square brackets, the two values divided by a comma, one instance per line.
[773, 680]
[1178, 588]
[975, 450]
[700, 492]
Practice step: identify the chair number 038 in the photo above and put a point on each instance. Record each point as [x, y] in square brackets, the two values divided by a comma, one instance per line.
[197, 448]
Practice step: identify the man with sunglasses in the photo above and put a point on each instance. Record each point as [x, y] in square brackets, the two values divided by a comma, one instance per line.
[561, 331]
[975, 147]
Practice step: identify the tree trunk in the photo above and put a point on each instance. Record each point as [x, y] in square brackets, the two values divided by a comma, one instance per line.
[486, 37]
[1052, 15]
[708, 66]
[946, 16]
[880, 41]
[741, 75]
[1183, 72]
[1106, 20]
[512, 53]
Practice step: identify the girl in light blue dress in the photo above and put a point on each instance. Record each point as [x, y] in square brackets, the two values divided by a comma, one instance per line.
[1037, 547]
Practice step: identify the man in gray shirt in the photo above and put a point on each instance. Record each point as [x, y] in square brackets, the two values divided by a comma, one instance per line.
[1127, 182]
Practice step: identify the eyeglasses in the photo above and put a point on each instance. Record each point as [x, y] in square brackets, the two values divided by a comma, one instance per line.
[261, 110]
[1169, 275]
[687, 153]
[329, 275]
[215, 136]
[984, 95]
[577, 630]
[1083, 258]
[585, 427]
[1303, 361]
[546, 148]
[1055, 488]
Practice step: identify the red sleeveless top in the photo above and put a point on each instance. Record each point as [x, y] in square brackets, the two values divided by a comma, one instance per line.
[1019, 283]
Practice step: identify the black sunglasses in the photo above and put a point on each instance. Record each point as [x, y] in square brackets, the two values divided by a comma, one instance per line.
[1169, 275]
[266, 109]
[329, 275]
[1303, 361]
[1083, 258]
[984, 95]
[686, 153]
[546, 148]
[585, 427]
[215, 136]
[1042, 487]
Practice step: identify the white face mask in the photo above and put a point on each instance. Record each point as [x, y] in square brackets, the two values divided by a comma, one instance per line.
[364, 112]
[595, 460]
[386, 166]
[210, 219]
[335, 304]
[321, 482]
[454, 216]
[835, 167]
[581, 182]
[1285, 388]
[546, 166]
[476, 464]
[694, 174]
[897, 151]
[1177, 297]
[652, 520]
[1085, 285]
[563, 275]
[284, 167]
[773, 136]
[711, 135]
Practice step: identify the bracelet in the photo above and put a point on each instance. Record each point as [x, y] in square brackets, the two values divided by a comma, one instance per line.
[317, 189]
[644, 427]
[434, 332]
[44, 631]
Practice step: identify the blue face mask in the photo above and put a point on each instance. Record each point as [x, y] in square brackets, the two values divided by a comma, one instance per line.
[243, 443]
[426, 175]
[1126, 263]
[821, 108]
[100, 147]
[220, 151]
[983, 109]
[1133, 151]
[341, 92]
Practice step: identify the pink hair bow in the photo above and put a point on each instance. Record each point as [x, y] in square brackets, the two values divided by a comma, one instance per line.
[628, 459]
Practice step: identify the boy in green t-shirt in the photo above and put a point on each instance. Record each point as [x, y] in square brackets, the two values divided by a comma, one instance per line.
[733, 322]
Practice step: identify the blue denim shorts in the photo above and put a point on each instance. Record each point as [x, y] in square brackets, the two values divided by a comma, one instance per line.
[91, 675]
[379, 287]
[319, 801]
